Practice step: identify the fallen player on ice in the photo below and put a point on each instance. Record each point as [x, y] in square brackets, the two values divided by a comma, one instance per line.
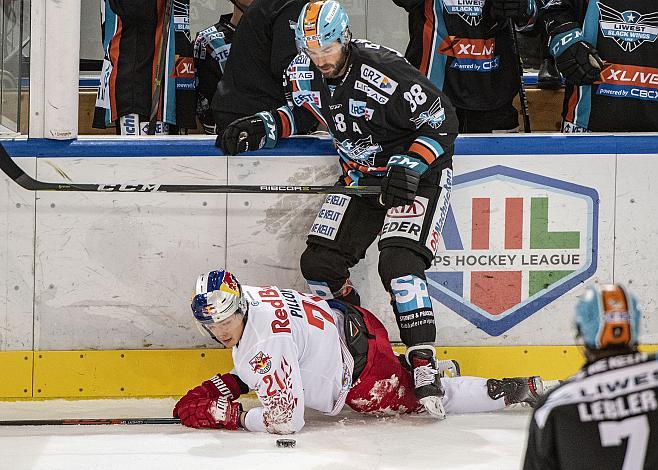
[296, 350]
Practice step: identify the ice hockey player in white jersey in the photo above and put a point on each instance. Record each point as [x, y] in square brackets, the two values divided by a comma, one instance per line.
[296, 350]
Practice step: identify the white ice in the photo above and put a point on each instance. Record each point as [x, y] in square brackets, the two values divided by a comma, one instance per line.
[492, 441]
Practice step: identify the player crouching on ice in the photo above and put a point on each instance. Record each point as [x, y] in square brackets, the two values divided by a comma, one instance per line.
[296, 350]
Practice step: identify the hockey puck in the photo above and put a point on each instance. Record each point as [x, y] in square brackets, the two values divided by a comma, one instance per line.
[286, 442]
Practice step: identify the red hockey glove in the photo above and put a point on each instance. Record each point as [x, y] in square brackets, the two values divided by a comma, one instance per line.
[225, 385]
[209, 413]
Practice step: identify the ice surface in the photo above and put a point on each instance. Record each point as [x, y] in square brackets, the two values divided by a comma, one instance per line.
[492, 441]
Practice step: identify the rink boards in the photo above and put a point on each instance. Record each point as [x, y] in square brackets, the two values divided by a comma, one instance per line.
[101, 281]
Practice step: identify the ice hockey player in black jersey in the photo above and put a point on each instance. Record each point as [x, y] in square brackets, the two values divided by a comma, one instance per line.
[606, 416]
[391, 127]
[211, 49]
[132, 35]
[466, 48]
[608, 53]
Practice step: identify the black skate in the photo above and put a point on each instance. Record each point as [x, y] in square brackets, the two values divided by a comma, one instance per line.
[428, 389]
[516, 389]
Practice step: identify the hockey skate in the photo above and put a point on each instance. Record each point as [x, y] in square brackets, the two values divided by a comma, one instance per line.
[427, 381]
[446, 367]
[522, 390]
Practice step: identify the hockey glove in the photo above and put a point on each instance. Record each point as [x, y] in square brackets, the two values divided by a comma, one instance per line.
[209, 413]
[517, 10]
[227, 385]
[400, 184]
[576, 59]
[249, 133]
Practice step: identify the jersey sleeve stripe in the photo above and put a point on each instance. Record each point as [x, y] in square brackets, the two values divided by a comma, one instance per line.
[287, 122]
[429, 149]
[428, 37]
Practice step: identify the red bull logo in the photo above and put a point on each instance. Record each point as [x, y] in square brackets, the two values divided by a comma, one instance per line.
[261, 363]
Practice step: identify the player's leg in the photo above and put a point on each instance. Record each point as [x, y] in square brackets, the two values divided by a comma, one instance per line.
[476, 394]
[407, 246]
[340, 235]
[385, 385]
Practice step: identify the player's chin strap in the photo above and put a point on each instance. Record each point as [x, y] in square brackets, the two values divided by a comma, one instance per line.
[356, 335]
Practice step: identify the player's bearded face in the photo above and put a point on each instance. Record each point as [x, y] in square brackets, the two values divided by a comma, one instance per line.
[330, 59]
[228, 331]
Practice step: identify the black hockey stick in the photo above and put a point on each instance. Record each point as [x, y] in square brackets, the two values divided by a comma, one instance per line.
[523, 98]
[9, 167]
[160, 67]
[88, 422]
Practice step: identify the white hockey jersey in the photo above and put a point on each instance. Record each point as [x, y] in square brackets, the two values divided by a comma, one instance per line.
[292, 354]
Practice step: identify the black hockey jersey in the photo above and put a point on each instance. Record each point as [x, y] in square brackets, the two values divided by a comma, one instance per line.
[263, 46]
[131, 33]
[211, 50]
[605, 417]
[625, 33]
[463, 51]
[383, 106]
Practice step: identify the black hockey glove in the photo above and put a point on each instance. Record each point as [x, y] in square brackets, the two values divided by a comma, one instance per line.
[400, 183]
[517, 10]
[578, 62]
[249, 134]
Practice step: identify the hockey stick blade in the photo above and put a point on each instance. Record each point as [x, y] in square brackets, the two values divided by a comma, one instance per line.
[88, 422]
[9, 167]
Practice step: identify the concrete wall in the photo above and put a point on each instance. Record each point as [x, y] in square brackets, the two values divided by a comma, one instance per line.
[84, 271]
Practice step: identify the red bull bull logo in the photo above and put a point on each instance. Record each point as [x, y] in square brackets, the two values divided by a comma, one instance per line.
[261, 363]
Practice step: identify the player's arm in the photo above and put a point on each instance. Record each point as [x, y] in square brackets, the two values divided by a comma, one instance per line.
[279, 388]
[213, 403]
[523, 13]
[265, 129]
[418, 107]
[576, 59]
[134, 9]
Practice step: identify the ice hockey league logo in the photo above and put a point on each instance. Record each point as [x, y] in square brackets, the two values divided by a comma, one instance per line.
[512, 243]
[468, 10]
[629, 29]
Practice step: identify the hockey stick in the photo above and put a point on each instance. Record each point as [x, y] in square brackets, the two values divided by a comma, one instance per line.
[9, 167]
[523, 98]
[88, 422]
[160, 67]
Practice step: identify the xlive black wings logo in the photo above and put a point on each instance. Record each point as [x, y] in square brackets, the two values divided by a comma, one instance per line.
[468, 10]
[629, 29]
[362, 151]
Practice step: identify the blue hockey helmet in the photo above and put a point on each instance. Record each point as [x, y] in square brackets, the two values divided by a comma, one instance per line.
[217, 296]
[607, 316]
[320, 23]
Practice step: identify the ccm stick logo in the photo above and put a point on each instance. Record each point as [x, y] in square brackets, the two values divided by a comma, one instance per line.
[130, 188]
